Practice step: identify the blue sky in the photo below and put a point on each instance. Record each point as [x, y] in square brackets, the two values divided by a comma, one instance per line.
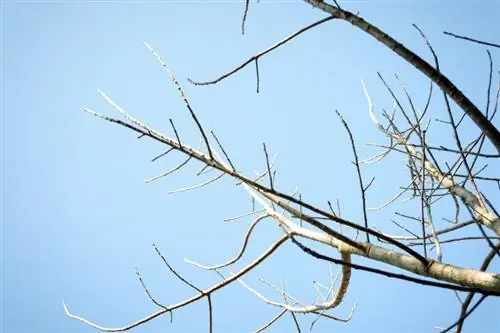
[77, 216]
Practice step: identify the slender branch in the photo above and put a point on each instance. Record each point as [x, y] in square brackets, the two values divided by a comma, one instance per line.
[188, 301]
[260, 54]
[470, 296]
[468, 313]
[471, 39]
[244, 19]
[358, 171]
[240, 253]
[183, 97]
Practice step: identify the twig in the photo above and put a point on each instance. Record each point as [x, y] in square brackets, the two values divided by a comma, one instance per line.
[260, 54]
[223, 150]
[247, 4]
[471, 39]
[162, 154]
[175, 132]
[269, 173]
[228, 219]
[183, 97]
[272, 321]
[358, 170]
[188, 301]
[151, 297]
[470, 296]
[166, 173]
[240, 253]
[194, 187]
[468, 313]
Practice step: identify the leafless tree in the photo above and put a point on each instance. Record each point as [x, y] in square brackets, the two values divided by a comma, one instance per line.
[431, 181]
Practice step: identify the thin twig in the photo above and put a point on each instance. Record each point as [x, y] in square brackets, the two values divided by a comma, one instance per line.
[244, 19]
[269, 173]
[183, 97]
[471, 39]
[358, 170]
[260, 54]
[468, 313]
[240, 253]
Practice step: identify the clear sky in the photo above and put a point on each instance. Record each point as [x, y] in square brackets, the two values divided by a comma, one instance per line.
[77, 216]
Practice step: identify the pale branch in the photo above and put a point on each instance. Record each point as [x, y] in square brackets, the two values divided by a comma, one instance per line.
[465, 280]
[418, 266]
[394, 198]
[188, 301]
[487, 282]
[240, 253]
[361, 248]
[166, 173]
[485, 217]
[423, 202]
[194, 187]
[237, 217]
[263, 174]
[460, 279]
[377, 158]
[271, 322]
[435, 238]
[442, 267]
[334, 302]
[183, 96]
[457, 239]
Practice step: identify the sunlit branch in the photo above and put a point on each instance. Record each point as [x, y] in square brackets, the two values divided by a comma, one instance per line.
[188, 301]
[240, 253]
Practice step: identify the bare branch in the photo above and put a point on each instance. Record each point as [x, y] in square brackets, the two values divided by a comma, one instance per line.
[183, 97]
[358, 170]
[260, 54]
[194, 187]
[244, 19]
[471, 39]
[188, 301]
[484, 217]
[239, 255]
